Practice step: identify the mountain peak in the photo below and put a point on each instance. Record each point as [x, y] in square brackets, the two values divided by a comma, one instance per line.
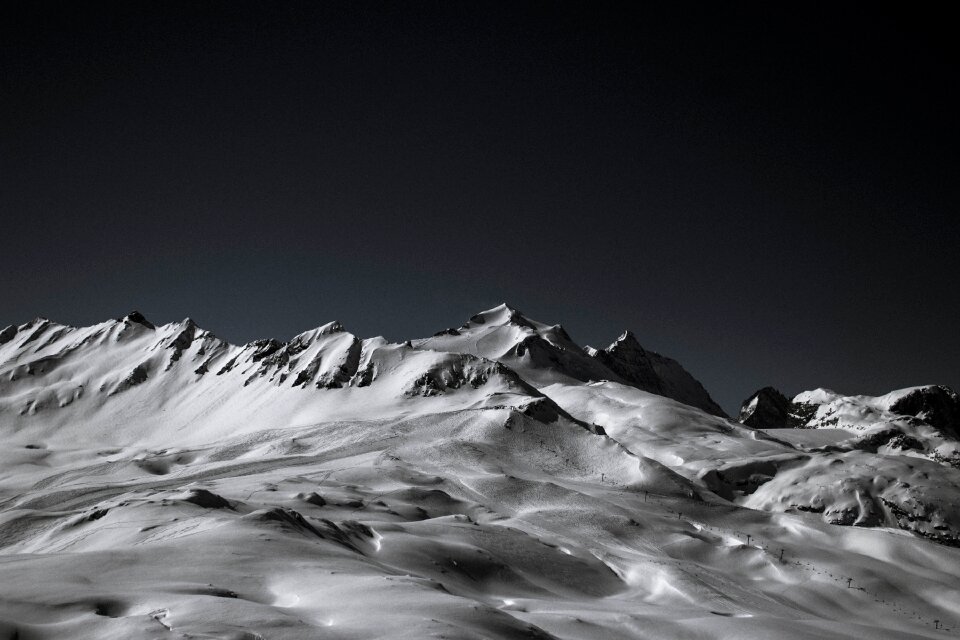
[655, 373]
[626, 341]
[331, 327]
[39, 320]
[502, 314]
[767, 408]
[308, 337]
[138, 318]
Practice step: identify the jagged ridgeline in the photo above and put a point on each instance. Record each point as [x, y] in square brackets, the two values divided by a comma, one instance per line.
[494, 480]
[499, 350]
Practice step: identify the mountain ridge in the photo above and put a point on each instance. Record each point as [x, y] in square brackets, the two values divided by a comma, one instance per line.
[495, 480]
[516, 340]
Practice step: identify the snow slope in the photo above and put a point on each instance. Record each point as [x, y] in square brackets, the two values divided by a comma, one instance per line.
[493, 481]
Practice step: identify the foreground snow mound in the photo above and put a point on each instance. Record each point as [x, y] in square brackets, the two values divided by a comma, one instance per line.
[493, 481]
[854, 488]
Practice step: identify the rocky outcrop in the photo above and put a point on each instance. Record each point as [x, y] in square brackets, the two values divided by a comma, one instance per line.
[770, 409]
[137, 318]
[8, 334]
[938, 406]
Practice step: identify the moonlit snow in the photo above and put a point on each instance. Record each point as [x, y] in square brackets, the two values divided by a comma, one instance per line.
[496, 480]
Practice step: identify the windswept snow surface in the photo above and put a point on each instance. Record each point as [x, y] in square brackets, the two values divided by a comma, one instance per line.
[493, 481]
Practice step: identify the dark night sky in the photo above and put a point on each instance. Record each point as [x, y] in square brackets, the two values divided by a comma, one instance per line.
[765, 193]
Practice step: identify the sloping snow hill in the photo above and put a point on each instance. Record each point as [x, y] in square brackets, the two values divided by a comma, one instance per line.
[493, 481]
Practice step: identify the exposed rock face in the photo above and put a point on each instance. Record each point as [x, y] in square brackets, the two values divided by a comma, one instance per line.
[7, 334]
[938, 406]
[137, 317]
[655, 373]
[768, 409]
[137, 376]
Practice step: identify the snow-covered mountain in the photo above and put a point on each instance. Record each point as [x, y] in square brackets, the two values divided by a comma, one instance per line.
[496, 480]
[546, 355]
[917, 421]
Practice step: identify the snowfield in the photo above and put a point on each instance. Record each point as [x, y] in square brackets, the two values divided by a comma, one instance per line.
[495, 480]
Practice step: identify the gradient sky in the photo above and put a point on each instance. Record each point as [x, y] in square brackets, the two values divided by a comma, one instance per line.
[767, 194]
